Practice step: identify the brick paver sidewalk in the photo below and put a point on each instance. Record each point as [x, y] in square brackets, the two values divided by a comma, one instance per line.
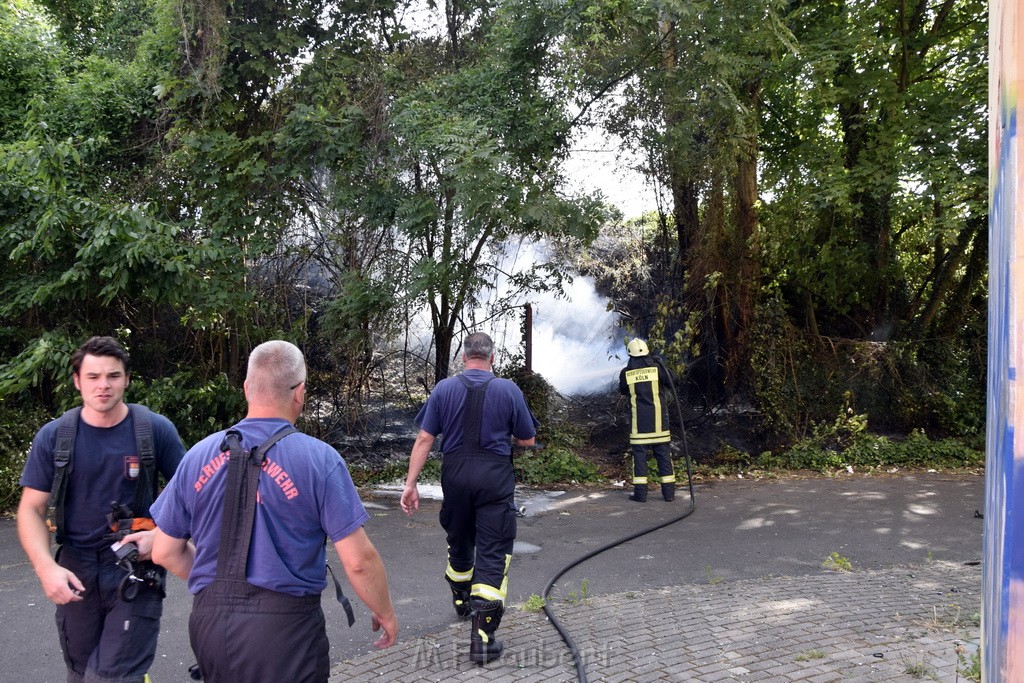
[900, 624]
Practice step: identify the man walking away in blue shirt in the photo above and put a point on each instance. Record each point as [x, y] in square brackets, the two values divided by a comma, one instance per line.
[481, 417]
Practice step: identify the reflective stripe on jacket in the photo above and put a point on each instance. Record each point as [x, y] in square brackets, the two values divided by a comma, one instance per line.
[648, 418]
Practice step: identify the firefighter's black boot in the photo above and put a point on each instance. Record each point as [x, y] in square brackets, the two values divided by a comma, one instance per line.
[639, 493]
[460, 598]
[483, 647]
[668, 492]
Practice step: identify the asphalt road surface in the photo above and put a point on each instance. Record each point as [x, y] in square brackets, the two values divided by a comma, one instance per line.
[741, 529]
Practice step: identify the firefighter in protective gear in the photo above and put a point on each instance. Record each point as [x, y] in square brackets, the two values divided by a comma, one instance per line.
[481, 416]
[647, 383]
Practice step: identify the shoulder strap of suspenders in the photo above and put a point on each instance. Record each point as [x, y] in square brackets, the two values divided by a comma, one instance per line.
[67, 427]
[473, 409]
[240, 507]
[145, 486]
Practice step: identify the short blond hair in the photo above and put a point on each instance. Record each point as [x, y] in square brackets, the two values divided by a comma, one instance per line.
[275, 369]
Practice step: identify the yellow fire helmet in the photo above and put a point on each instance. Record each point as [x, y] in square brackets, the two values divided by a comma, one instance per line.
[637, 347]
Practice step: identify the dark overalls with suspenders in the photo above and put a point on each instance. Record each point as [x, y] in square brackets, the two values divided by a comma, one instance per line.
[478, 512]
[241, 632]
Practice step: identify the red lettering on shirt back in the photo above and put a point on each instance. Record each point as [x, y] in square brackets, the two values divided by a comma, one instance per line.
[281, 478]
[208, 470]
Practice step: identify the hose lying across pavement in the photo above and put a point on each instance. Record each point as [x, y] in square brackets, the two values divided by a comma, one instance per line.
[581, 671]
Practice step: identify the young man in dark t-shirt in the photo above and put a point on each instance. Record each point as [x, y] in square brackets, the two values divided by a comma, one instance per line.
[102, 636]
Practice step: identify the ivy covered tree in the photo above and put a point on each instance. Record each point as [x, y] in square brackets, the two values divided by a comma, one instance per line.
[823, 166]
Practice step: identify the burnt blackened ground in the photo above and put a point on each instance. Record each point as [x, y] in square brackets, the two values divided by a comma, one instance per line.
[707, 434]
[387, 433]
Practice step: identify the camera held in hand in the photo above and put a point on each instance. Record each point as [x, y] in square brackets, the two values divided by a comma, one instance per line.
[139, 574]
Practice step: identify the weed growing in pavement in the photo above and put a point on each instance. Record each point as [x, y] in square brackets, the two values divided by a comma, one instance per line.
[712, 578]
[837, 562]
[949, 615]
[534, 603]
[810, 655]
[917, 669]
[968, 667]
[574, 598]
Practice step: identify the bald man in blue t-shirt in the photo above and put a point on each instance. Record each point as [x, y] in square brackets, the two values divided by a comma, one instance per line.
[256, 614]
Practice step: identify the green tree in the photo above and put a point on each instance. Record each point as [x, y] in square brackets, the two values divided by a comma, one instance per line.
[879, 160]
[479, 140]
[690, 77]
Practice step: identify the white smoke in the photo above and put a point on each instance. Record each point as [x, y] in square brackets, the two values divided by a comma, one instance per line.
[577, 341]
[574, 340]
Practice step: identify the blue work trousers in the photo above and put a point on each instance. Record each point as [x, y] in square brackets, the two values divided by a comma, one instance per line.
[479, 516]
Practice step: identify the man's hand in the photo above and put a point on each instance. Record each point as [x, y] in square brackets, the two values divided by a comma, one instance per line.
[417, 459]
[390, 635]
[410, 499]
[144, 540]
[61, 585]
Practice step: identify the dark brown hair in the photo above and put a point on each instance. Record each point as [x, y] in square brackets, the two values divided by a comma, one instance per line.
[99, 346]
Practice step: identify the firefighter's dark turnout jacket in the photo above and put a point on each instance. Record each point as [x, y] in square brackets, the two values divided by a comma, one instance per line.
[647, 385]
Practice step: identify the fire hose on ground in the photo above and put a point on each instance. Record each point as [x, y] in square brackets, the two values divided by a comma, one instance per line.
[576, 656]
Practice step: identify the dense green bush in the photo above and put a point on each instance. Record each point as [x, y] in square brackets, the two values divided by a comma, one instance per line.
[17, 428]
[553, 465]
[196, 408]
[847, 443]
[801, 380]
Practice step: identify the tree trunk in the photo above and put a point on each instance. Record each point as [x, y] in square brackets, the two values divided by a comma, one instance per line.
[681, 174]
[747, 242]
[442, 353]
[684, 196]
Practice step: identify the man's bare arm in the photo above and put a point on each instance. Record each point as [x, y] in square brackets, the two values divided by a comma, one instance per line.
[176, 554]
[365, 571]
[60, 585]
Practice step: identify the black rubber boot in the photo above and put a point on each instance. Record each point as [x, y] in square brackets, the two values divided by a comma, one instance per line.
[483, 647]
[460, 598]
[668, 492]
[639, 493]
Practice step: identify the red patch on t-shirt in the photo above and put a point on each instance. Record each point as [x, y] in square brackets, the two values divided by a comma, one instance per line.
[131, 467]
